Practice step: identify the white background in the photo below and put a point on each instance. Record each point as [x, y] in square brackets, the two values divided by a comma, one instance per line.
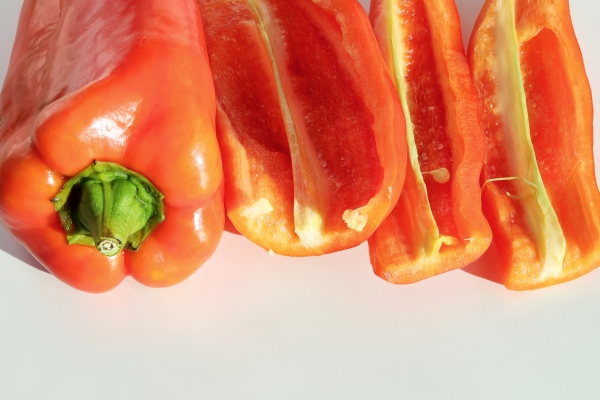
[248, 326]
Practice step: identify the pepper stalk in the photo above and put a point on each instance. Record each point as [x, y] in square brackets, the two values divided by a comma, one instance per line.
[109, 207]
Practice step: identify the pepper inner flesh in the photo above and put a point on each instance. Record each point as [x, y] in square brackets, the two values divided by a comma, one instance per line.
[290, 99]
[551, 109]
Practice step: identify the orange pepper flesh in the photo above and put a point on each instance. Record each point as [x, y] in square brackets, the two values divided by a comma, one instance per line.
[438, 224]
[133, 88]
[559, 109]
[309, 127]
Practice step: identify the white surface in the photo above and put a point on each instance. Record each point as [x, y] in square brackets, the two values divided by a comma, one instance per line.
[248, 326]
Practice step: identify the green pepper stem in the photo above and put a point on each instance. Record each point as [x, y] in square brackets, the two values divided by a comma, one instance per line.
[109, 207]
[109, 246]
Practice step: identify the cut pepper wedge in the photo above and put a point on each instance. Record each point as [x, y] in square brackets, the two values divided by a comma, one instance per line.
[127, 84]
[540, 193]
[438, 224]
[308, 123]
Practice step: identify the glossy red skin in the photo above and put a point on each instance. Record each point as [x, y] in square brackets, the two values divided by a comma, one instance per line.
[341, 103]
[559, 105]
[443, 109]
[133, 87]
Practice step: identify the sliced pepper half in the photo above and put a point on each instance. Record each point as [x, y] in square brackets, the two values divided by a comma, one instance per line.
[438, 224]
[309, 125]
[540, 193]
[107, 141]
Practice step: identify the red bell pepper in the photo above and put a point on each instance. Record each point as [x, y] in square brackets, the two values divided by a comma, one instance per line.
[126, 83]
[437, 224]
[308, 123]
[540, 193]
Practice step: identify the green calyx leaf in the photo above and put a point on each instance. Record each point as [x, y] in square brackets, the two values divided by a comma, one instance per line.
[109, 207]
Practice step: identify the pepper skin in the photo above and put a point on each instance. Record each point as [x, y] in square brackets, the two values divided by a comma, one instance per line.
[124, 82]
[438, 224]
[540, 193]
[309, 126]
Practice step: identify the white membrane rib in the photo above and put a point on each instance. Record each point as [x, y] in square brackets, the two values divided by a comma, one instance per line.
[512, 105]
[308, 221]
[427, 228]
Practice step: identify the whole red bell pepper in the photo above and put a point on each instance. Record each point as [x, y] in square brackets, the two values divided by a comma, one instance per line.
[540, 193]
[311, 131]
[437, 224]
[107, 141]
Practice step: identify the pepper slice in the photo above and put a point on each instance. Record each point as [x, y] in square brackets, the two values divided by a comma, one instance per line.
[126, 83]
[437, 224]
[309, 127]
[540, 193]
